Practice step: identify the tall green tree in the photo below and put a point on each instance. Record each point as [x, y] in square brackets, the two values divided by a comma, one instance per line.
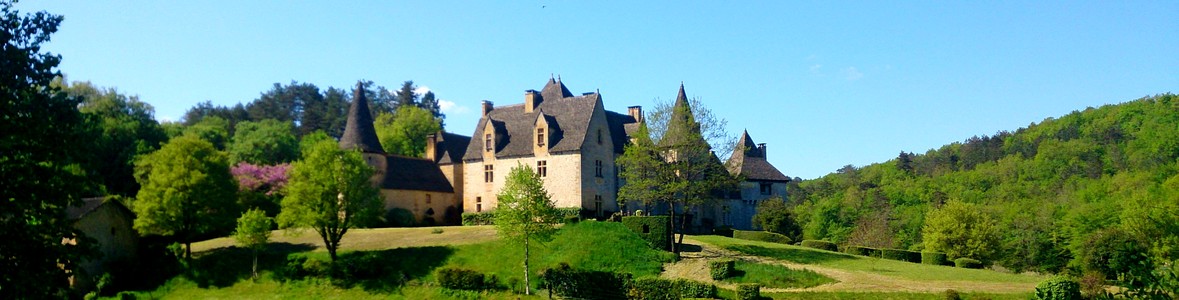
[38, 160]
[284, 102]
[266, 142]
[253, 232]
[124, 128]
[327, 114]
[202, 110]
[430, 103]
[525, 213]
[647, 176]
[330, 192]
[775, 216]
[187, 192]
[406, 95]
[961, 230]
[214, 130]
[404, 132]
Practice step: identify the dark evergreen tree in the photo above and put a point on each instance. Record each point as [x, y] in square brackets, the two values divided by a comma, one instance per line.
[429, 103]
[405, 95]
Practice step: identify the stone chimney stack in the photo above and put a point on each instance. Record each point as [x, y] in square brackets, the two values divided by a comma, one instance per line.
[487, 107]
[432, 147]
[532, 100]
[635, 112]
[761, 147]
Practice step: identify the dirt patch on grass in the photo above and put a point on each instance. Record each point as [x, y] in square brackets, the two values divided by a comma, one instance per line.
[374, 239]
[694, 266]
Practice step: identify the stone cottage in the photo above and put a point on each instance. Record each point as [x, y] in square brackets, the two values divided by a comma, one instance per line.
[109, 223]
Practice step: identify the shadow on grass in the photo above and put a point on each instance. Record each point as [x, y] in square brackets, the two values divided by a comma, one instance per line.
[690, 248]
[387, 270]
[801, 256]
[225, 266]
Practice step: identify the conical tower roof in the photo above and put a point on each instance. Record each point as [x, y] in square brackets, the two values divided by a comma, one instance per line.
[682, 123]
[359, 132]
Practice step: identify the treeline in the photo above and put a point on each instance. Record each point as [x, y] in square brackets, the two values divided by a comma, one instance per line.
[1050, 194]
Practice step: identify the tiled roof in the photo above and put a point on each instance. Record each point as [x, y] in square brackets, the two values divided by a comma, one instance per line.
[90, 205]
[454, 147]
[416, 174]
[359, 131]
[750, 160]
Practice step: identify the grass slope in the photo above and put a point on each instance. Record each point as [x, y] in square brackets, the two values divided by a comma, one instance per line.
[775, 276]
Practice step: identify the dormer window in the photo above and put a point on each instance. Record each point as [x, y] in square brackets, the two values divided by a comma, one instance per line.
[540, 137]
[487, 142]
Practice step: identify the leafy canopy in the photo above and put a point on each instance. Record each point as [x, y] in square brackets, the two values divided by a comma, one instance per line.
[404, 131]
[525, 212]
[961, 230]
[330, 191]
[266, 142]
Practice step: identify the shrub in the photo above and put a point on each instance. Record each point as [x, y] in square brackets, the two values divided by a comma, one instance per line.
[310, 266]
[761, 236]
[651, 288]
[748, 291]
[570, 220]
[817, 244]
[399, 217]
[479, 218]
[934, 258]
[952, 295]
[437, 231]
[968, 263]
[723, 230]
[569, 211]
[773, 215]
[721, 269]
[901, 255]
[653, 229]
[567, 282]
[857, 250]
[1058, 288]
[693, 289]
[460, 279]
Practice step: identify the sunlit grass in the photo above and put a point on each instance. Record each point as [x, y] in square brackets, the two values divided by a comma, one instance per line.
[775, 276]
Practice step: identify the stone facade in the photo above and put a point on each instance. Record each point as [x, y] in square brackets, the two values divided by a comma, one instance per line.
[109, 223]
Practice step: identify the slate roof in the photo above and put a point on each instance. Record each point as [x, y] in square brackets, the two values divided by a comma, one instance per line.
[568, 117]
[453, 148]
[681, 120]
[359, 131]
[91, 204]
[750, 161]
[416, 174]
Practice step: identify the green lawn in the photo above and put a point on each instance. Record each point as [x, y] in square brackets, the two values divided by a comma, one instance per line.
[775, 276]
[803, 255]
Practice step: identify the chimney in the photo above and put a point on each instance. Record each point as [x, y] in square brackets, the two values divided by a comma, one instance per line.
[487, 107]
[532, 100]
[761, 147]
[432, 147]
[635, 112]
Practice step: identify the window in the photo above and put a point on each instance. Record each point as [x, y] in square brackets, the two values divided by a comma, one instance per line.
[487, 142]
[540, 137]
[488, 173]
[427, 198]
[598, 168]
[478, 204]
[767, 188]
[542, 168]
[598, 205]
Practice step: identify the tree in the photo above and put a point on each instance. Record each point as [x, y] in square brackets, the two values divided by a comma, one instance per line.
[525, 213]
[284, 103]
[329, 191]
[712, 128]
[327, 114]
[406, 95]
[214, 130]
[404, 132]
[775, 216]
[647, 176]
[380, 99]
[187, 191]
[123, 127]
[961, 230]
[260, 186]
[429, 103]
[266, 142]
[202, 110]
[253, 232]
[39, 160]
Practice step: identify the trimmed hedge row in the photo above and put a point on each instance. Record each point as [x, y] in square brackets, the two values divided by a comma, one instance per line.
[721, 269]
[654, 288]
[901, 255]
[479, 218]
[1058, 288]
[968, 263]
[653, 229]
[694, 289]
[858, 250]
[748, 291]
[817, 244]
[565, 281]
[460, 279]
[934, 258]
[763, 236]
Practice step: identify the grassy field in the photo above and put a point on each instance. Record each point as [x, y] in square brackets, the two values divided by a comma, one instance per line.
[373, 239]
[775, 276]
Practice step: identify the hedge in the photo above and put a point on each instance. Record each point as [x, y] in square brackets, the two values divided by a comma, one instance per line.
[693, 289]
[459, 279]
[721, 269]
[817, 244]
[1058, 288]
[748, 291]
[934, 258]
[479, 218]
[652, 288]
[968, 263]
[567, 282]
[857, 250]
[763, 236]
[901, 255]
[569, 212]
[656, 234]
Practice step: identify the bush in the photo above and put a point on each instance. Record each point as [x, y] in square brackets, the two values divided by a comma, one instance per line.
[968, 263]
[1058, 288]
[934, 258]
[721, 269]
[822, 245]
[723, 230]
[479, 218]
[748, 291]
[570, 220]
[952, 295]
[693, 289]
[901, 255]
[460, 279]
[857, 250]
[761, 236]
[399, 217]
[569, 211]
[653, 229]
[651, 288]
[567, 282]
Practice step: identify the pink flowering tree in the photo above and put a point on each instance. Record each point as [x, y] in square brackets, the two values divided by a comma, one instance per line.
[261, 186]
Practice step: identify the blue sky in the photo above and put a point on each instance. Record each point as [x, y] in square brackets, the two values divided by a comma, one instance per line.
[824, 83]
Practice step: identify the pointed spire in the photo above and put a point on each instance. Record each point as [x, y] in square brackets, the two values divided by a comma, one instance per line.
[359, 132]
[681, 120]
[555, 89]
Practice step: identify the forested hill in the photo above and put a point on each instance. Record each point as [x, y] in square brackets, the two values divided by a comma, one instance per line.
[1048, 187]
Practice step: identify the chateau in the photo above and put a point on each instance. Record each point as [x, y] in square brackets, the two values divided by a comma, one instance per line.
[570, 140]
